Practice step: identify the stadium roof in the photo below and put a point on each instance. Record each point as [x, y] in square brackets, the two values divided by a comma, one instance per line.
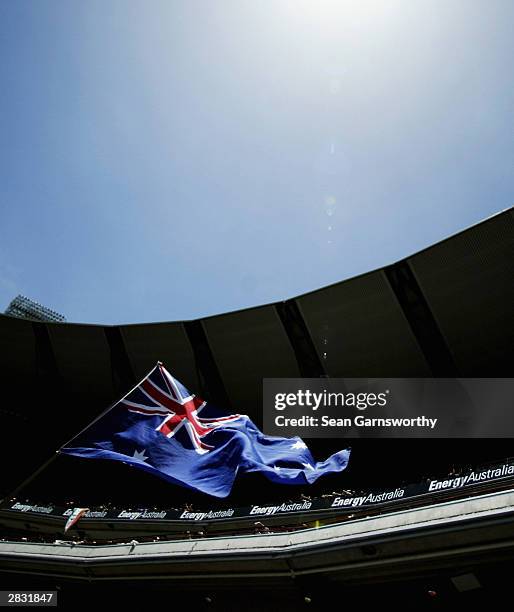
[445, 311]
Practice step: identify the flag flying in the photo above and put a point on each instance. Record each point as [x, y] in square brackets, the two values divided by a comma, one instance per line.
[163, 429]
[75, 516]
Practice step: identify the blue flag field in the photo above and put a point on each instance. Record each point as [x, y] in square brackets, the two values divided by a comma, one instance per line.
[163, 429]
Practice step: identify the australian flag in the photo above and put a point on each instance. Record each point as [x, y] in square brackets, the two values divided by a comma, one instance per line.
[160, 427]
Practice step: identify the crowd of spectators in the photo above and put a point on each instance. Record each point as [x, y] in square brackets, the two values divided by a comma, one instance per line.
[76, 536]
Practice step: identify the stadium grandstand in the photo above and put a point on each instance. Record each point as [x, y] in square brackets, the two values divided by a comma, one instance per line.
[409, 522]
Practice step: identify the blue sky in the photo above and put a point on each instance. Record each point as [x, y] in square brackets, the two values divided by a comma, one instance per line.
[175, 159]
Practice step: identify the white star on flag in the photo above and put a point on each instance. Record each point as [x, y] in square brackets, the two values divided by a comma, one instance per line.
[299, 444]
[308, 466]
[140, 455]
[276, 468]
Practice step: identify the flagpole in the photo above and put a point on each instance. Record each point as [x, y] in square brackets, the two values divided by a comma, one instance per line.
[51, 459]
[107, 410]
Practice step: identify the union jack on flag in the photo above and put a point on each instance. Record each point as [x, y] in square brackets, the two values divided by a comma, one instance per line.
[162, 395]
[162, 428]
